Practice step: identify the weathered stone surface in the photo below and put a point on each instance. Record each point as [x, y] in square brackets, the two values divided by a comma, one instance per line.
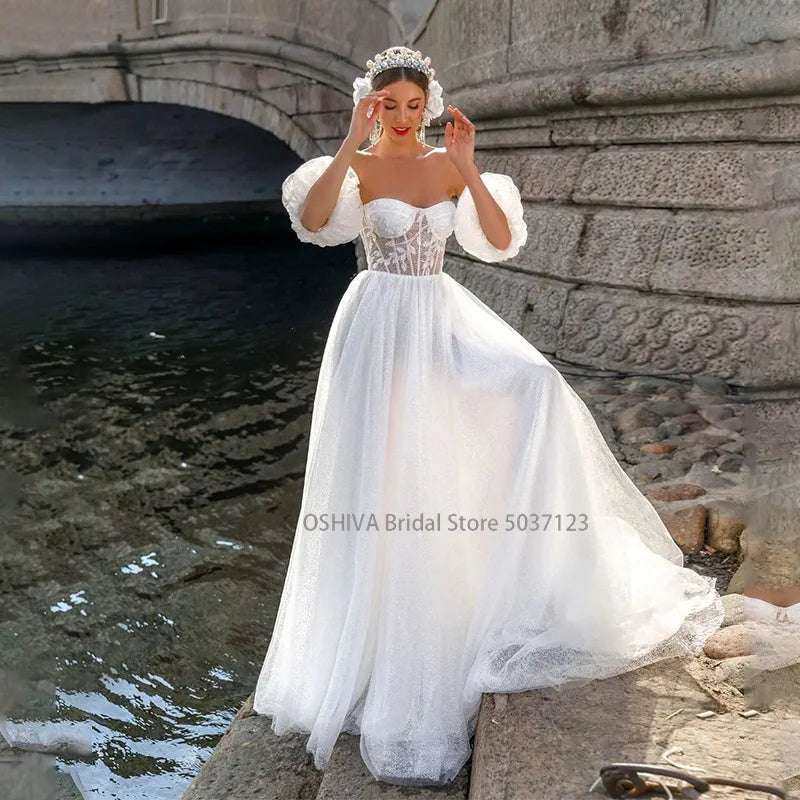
[614, 329]
[775, 20]
[728, 123]
[726, 521]
[687, 527]
[657, 448]
[574, 32]
[540, 173]
[547, 744]
[250, 761]
[348, 777]
[706, 176]
[638, 416]
[730, 641]
[676, 491]
[639, 435]
[657, 470]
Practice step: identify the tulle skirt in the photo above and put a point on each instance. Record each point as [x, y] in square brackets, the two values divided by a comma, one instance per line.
[464, 528]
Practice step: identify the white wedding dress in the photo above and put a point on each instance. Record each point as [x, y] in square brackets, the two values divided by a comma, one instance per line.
[428, 403]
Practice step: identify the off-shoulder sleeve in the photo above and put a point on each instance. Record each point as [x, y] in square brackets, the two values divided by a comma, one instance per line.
[467, 226]
[344, 223]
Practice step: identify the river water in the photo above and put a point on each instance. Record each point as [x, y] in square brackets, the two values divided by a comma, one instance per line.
[154, 418]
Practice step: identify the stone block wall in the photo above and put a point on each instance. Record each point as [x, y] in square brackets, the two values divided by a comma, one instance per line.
[657, 149]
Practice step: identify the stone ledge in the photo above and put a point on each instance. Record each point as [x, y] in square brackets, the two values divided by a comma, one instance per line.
[550, 745]
[772, 68]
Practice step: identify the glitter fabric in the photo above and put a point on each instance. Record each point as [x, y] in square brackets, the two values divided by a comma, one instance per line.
[434, 413]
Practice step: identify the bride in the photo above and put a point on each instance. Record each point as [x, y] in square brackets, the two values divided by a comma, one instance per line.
[464, 527]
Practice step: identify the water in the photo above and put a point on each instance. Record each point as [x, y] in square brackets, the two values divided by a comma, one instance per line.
[154, 419]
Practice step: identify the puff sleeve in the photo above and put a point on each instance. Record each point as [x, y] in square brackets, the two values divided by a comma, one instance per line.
[467, 226]
[344, 223]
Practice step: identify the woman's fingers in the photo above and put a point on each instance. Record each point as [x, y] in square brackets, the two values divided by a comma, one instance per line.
[460, 116]
[462, 125]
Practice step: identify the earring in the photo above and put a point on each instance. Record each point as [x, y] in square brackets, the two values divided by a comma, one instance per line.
[375, 133]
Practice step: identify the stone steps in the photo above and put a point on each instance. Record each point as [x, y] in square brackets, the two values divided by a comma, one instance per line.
[250, 761]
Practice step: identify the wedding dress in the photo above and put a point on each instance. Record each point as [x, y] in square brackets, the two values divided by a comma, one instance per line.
[429, 405]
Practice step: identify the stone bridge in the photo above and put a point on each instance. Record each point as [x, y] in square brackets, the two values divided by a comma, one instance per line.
[656, 145]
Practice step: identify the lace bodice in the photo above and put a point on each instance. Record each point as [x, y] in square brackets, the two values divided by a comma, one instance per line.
[398, 237]
[406, 239]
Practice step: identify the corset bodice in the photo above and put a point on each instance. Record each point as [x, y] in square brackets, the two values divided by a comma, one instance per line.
[405, 239]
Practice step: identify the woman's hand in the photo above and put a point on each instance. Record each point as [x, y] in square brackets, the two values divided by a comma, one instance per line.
[459, 139]
[360, 123]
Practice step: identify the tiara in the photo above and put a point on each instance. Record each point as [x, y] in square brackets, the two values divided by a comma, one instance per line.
[399, 57]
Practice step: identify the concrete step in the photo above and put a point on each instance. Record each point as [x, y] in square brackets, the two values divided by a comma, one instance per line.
[347, 778]
[250, 761]
[550, 745]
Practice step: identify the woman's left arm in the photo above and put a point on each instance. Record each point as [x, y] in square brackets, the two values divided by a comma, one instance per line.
[460, 144]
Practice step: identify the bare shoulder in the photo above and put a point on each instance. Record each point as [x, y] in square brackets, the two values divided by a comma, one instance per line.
[358, 164]
[452, 178]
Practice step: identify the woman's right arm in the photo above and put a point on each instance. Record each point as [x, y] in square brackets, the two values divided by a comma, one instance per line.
[324, 194]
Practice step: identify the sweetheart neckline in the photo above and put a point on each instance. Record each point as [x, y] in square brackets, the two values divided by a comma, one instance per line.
[411, 205]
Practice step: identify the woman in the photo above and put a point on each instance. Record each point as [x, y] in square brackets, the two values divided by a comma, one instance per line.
[464, 527]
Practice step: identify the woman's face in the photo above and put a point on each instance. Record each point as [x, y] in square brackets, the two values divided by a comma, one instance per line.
[401, 110]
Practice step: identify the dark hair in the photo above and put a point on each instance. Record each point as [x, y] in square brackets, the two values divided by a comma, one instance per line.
[400, 74]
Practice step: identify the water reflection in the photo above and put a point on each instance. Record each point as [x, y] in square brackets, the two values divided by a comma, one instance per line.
[154, 414]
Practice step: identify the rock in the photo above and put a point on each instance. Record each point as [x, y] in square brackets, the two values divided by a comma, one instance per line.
[695, 453]
[690, 422]
[716, 413]
[670, 408]
[659, 469]
[640, 435]
[749, 546]
[731, 641]
[670, 393]
[599, 387]
[647, 384]
[702, 474]
[726, 521]
[637, 416]
[687, 526]
[657, 448]
[733, 606]
[676, 491]
[730, 462]
[624, 401]
[713, 437]
[250, 761]
[771, 646]
[735, 446]
[738, 671]
[772, 563]
[735, 424]
[670, 428]
[711, 384]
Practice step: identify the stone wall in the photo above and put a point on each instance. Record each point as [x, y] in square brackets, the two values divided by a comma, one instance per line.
[655, 145]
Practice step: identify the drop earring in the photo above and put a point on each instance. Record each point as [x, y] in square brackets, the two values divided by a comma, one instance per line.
[375, 133]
